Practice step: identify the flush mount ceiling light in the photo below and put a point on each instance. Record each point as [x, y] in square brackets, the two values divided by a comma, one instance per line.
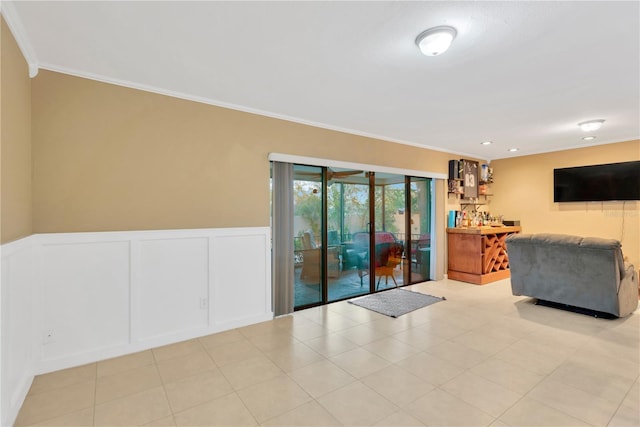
[589, 138]
[436, 40]
[591, 125]
[486, 142]
[513, 150]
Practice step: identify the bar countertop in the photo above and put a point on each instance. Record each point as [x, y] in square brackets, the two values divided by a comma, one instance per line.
[485, 230]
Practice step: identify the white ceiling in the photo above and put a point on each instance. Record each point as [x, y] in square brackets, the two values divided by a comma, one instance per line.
[521, 74]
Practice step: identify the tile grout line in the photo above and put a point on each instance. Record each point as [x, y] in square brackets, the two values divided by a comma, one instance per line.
[244, 404]
[623, 399]
[566, 352]
[164, 384]
[164, 390]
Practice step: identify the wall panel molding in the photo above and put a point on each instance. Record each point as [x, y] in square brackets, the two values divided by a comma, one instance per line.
[17, 323]
[73, 298]
[236, 301]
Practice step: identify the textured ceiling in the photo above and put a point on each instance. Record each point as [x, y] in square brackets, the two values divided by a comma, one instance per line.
[521, 74]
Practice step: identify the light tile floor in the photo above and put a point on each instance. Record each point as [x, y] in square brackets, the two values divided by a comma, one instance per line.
[482, 357]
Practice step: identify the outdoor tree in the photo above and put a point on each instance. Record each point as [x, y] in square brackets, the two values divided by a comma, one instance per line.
[308, 204]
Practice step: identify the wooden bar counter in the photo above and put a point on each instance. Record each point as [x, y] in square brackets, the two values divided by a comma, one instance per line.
[478, 254]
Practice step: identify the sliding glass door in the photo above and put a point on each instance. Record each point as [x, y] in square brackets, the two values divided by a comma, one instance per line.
[357, 232]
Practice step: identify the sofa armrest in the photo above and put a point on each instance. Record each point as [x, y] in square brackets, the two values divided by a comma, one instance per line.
[628, 269]
[629, 273]
[628, 290]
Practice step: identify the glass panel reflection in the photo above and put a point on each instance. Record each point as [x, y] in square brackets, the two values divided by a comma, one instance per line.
[347, 216]
[307, 227]
[421, 196]
[390, 230]
[402, 246]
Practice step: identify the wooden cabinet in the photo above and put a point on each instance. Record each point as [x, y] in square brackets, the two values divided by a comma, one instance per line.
[478, 254]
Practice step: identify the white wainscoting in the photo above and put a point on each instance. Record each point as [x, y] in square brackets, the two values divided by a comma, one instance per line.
[173, 291]
[83, 290]
[17, 327]
[71, 299]
[236, 282]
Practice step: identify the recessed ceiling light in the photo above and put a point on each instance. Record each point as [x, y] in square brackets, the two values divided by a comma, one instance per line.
[435, 41]
[486, 142]
[513, 149]
[591, 125]
[589, 138]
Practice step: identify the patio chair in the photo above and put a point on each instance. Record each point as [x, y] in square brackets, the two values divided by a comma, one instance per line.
[388, 253]
[311, 258]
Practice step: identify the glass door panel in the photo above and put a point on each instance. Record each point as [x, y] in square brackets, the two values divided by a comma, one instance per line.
[421, 223]
[347, 236]
[307, 232]
[335, 256]
[390, 230]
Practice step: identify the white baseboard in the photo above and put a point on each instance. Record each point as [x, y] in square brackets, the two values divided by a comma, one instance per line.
[97, 355]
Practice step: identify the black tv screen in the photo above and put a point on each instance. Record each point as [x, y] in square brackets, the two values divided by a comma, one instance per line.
[613, 181]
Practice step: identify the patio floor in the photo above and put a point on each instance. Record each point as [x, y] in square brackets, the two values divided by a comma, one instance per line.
[345, 286]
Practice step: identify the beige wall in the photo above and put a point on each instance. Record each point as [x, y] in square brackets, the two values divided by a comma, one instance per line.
[523, 190]
[15, 141]
[113, 158]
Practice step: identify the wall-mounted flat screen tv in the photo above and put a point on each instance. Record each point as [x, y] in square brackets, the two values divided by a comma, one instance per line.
[613, 181]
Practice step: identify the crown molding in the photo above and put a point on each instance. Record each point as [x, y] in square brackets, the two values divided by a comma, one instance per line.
[7, 9]
[17, 29]
[568, 147]
[237, 107]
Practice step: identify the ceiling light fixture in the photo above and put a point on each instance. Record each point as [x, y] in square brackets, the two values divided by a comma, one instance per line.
[513, 150]
[589, 138]
[486, 142]
[436, 40]
[591, 125]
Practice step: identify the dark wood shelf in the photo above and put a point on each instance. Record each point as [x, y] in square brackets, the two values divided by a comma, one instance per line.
[455, 187]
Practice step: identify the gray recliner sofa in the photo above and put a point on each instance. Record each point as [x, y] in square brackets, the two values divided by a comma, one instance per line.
[582, 272]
